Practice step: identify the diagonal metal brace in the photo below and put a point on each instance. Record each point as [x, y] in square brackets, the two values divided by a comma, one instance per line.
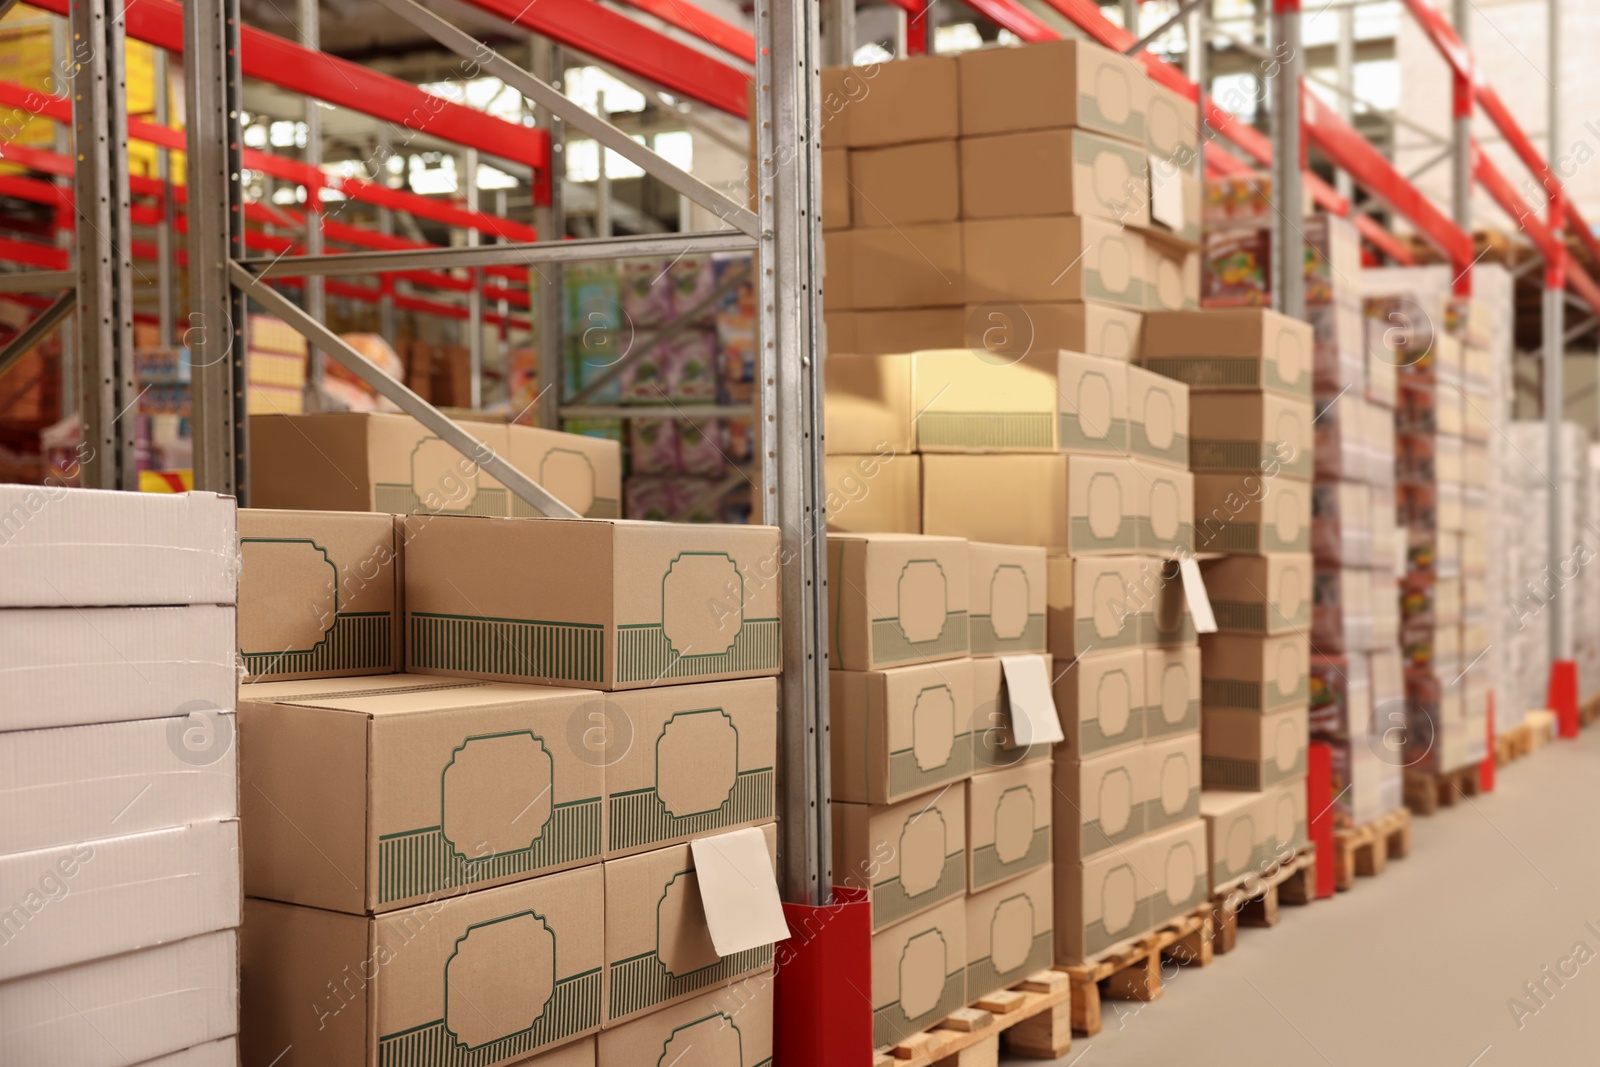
[37, 330]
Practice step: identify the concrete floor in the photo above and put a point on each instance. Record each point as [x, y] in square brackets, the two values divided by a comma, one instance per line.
[1419, 965]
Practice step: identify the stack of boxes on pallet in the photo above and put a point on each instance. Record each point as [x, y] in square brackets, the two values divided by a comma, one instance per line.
[119, 831]
[548, 829]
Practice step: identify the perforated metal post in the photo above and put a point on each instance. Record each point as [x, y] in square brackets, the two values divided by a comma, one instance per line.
[1288, 223]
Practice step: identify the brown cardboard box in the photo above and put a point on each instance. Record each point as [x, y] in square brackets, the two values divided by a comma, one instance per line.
[1040, 260]
[1260, 594]
[1101, 701]
[835, 189]
[1014, 330]
[839, 327]
[1231, 349]
[1098, 603]
[583, 472]
[480, 970]
[912, 856]
[1177, 859]
[1007, 602]
[894, 331]
[896, 599]
[1257, 674]
[368, 794]
[1055, 171]
[905, 101]
[1166, 523]
[1082, 505]
[1237, 512]
[1250, 834]
[1158, 418]
[841, 88]
[1008, 824]
[1009, 933]
[1100, 803]
[1249, 751]
[319, 594]
[868, 406]
[1172, 126]
[1172, 275]
[1125, 892]
[919, 973]
[657, 943]
[601, 604]
[879, 493]
[1065, 83]
[900, 732]
[991, 720]
[905, 184]
[1173, 768]
[731, 1026]
[578, 1054]
[1251, 433]
[838, 274]
[1171, 691]
[683, 761]
[971, 401]
[911, 266]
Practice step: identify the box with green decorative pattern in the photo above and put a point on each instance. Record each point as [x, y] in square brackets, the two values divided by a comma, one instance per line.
[1007, 604]
[731, 1026]
[900, 732]
[911, 856]
[896, 599]
[1008, 824]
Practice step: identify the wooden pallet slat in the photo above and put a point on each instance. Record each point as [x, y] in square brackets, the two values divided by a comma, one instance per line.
[1365, 851]
[1255, 901]
[1132, 971]
[1032, 1019]
[1428, 791]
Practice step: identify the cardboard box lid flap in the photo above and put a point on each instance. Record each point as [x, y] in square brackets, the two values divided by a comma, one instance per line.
[1194, 591]
[1034, 719]
[425, 697]
[739, 890]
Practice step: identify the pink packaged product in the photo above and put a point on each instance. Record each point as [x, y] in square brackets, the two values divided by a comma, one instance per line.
[647, 292]
[690, 367]
[693, 280]
[1341, 697]
[653, 446]
[1341, 523]
[649, 497]
[1341, 612]
[700, 447]
[645, 379]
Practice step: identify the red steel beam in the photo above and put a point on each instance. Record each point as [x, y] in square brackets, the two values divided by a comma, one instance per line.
[1500, 190]
[720, 34]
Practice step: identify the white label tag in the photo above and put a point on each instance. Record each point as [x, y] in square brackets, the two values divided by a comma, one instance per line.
[738, 891]
[1166, 194]
[1034, 719]
[1194, 591]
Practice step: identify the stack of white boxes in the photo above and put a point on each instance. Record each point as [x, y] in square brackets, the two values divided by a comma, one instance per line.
[119, 833]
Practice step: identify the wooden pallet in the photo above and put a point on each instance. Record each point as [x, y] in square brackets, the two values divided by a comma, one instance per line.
[1541, 726]
[1514, 744]
[1254, 901]
[1428, 791]
[1033, 1019]
[1133, 971]
[1367, 849]
[1589, 711]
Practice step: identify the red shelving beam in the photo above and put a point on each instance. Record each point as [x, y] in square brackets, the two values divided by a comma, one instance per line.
[690, 18]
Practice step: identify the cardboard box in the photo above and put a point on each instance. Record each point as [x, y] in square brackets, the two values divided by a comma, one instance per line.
[896, 599]
[919, 972]
[657, 942]
[877, 493]
[1008, 824]
[1358, 779]
[1254, 673]
[1251, 834]
[838, 327]
[905, 102]
[1172, 274]
[727, 1027]
[1044, 259]
[869, 409]
[1078, 505]
[1343, 617]
[1171, 691]
[1007, 599]
[1101, 802]
[992, 747]
[838, 275]
[969, 401]
[918, 265]
[891, 331]
[1230, 349]
[481, 970]
[319, 594]
[1098, 603]
[836, 189]
[1015, 330]
[1172, 126]
[1010, 933]
[1250, 751]
[223, 1053]
[1173, 771]
[905, 184]
[414, 781]
[1260, 594]
[842, 88]
[581, 471]
[900, 732]
[1251, 432]
[1251, 513]
[1058, 171]
[1343, 522]
[601, 604]
[911, 856]
[579, 1053]
[1101, 701]
[90, 899]
[1341, 698]
[1125, 892]
[1158, 418]
[1176, 859]
[1166, 524]
[128, 1008]
[1065, 83]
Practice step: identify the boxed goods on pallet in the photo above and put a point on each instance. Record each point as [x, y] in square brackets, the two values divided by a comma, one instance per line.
[1010, 933]
[873, 493]
[1008, 824]
[730, 1025]
[1126, 892]
[900, 731]
[919, 972]
[1007, 599]
[911, 855]
[1249, 834]
[994, 742]
[897, 599]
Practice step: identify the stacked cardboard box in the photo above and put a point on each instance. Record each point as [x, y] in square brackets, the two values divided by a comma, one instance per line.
[582, 755]
[119, 831]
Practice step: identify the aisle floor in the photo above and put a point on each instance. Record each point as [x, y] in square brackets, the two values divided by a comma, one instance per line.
[1419, 965]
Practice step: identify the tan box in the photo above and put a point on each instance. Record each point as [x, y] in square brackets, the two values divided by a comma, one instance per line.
[577, 1054]
[1056, 171]
[1166, 524]
[1254, 673]
[1098, 603]
[1230, 349]
[1038, 260]
[838, 327]
[841, 87]
[1251, 433]
[1010, 933]
[1078, 505]
[1065, 83]
[1171, 691]
[1008, 824]
[657, 943]
[1172, 275]
[900, 732]
[1158, 418]
[319, 594]
[919, 973]
[971, 401]
[878, 493]
[1249, 835]
[1173, 769]
[1100, 803]
[1176, 859]
[1251, 513]
[1260, 594]
[368, 794]
[1006, 603]
[730, 1026]
[918, 265]
[911, 856]
[1251, 751]
[1015, 330]
[683, 761]
[601, 604]
[892, 331]
[868, 409]
[905, 184]
[836, 189]
[1125, 892]
[896, 599]
[838, 277]
[583, 472]
[905, 101]
[1101, 701]
[479, 970]
[1172, 126]
[991, 720]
